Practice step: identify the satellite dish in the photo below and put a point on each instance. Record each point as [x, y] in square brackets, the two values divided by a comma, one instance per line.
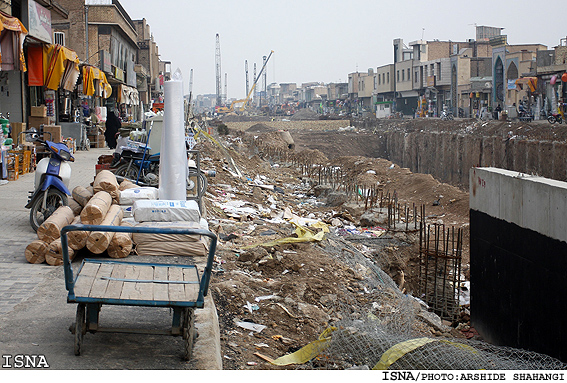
[488, 84]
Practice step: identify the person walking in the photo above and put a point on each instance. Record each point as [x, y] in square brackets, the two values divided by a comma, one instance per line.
[113, 125]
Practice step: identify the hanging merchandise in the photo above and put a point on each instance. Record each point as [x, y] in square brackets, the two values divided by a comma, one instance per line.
[50, 103]
[61, 67]
[95, 82]
[12, 36]
[35, 65]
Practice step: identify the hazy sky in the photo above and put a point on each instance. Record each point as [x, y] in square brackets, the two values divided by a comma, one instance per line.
[315, 40]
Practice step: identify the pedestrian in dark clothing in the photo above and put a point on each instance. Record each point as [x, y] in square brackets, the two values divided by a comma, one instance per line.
[113, 125]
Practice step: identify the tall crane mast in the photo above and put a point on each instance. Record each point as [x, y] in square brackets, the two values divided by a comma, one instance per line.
[255, 92]
[218, 71]
[246, 71]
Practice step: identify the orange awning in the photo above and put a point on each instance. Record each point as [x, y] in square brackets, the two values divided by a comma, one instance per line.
[11, 23]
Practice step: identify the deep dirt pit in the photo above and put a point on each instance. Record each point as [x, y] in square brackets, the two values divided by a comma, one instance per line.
[296, 290]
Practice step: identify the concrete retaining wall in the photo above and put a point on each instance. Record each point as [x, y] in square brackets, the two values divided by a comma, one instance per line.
[518, 252]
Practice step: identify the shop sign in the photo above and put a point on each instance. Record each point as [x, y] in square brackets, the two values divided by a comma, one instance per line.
[119, 74]
[105, 62]
[430, 81]
[39, 20]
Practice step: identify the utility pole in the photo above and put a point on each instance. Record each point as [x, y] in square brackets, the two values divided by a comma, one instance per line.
[218, 71]
[225, 96]
[87, 33]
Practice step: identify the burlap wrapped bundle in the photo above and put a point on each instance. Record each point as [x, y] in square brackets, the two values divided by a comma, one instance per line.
[106, 181]
[97, 207]
[121, 244]
[54, 254]
[50, 229]
[82, 195]
[75, 206]
[126, 184]
[98, 241]
[35, 251]
[77, 239]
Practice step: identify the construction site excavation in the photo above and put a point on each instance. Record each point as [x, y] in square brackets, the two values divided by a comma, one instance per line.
[334, 249]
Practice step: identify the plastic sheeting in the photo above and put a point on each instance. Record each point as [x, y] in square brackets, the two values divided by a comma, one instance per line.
[173, 157]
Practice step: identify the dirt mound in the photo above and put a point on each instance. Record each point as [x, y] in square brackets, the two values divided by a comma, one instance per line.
[304, 114]
[260, 128]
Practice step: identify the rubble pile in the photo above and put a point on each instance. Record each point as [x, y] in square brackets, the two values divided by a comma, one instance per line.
[290, 262]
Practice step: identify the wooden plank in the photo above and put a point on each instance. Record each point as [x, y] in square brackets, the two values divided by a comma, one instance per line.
[192, 289]
[161, 291]
[114, 288]
[100, 283]
[146, 289]
[176, 290]
[85, 279]
[129, 290]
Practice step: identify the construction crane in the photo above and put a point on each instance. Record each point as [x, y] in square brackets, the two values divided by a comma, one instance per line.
[218, 72]
[246, 70]
[246, 100]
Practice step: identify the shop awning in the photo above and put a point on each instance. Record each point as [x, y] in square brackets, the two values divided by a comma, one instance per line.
[127, 95]
[13, 45]
[530, 81]
[95, 82]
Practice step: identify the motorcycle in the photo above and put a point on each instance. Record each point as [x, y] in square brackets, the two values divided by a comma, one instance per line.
[447, 115]
[51, 184]
[132, 159]
[555, 117]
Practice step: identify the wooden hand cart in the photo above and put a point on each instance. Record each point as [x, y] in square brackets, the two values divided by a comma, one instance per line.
[116, 282]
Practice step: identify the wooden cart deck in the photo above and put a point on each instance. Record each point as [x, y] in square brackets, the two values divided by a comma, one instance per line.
[136, 283]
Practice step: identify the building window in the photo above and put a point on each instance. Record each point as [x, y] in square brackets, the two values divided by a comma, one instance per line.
[409, 77]
[398, 76]
[384, 78]
[379, 79]
[59, 38]
[403, 75]
[415, 78]
[388, 77]
[439, 71]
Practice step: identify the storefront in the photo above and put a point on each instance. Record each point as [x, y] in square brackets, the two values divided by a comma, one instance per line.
[12, 65]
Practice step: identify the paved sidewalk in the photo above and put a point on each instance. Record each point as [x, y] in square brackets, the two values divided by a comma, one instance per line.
[35, 317]
[20, 278]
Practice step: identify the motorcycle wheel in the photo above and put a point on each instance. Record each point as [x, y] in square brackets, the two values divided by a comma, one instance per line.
[551, 119]
[123, 171]
[54, 200]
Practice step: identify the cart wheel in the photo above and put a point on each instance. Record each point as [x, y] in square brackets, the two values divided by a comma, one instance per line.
[80, 327]
[188, 331]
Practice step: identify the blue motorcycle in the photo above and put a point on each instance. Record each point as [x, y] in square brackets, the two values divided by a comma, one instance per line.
[51, 186]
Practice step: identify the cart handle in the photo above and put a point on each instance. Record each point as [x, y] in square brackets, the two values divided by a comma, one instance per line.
[69, 281]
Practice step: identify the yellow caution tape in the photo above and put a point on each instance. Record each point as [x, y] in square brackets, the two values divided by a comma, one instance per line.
[303, 235]
[307, 352]
[399, 350]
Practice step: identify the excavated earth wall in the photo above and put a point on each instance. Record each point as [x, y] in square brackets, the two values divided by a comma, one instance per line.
[448, 155]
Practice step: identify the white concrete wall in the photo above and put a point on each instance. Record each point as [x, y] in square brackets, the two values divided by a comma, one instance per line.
[535, 203]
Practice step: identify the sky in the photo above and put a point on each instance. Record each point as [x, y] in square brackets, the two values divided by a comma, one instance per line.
[323, 41]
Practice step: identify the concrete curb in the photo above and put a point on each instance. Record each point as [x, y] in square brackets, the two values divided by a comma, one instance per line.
[207, 348]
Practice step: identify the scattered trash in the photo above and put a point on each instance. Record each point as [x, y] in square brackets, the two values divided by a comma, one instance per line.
[251, 326]
[258, 299]
[261, 345]
[252, 363]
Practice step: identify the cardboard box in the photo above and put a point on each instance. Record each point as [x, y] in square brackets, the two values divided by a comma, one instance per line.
[39, 111]
[36, 122]
[17, 128]
[55, 131]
